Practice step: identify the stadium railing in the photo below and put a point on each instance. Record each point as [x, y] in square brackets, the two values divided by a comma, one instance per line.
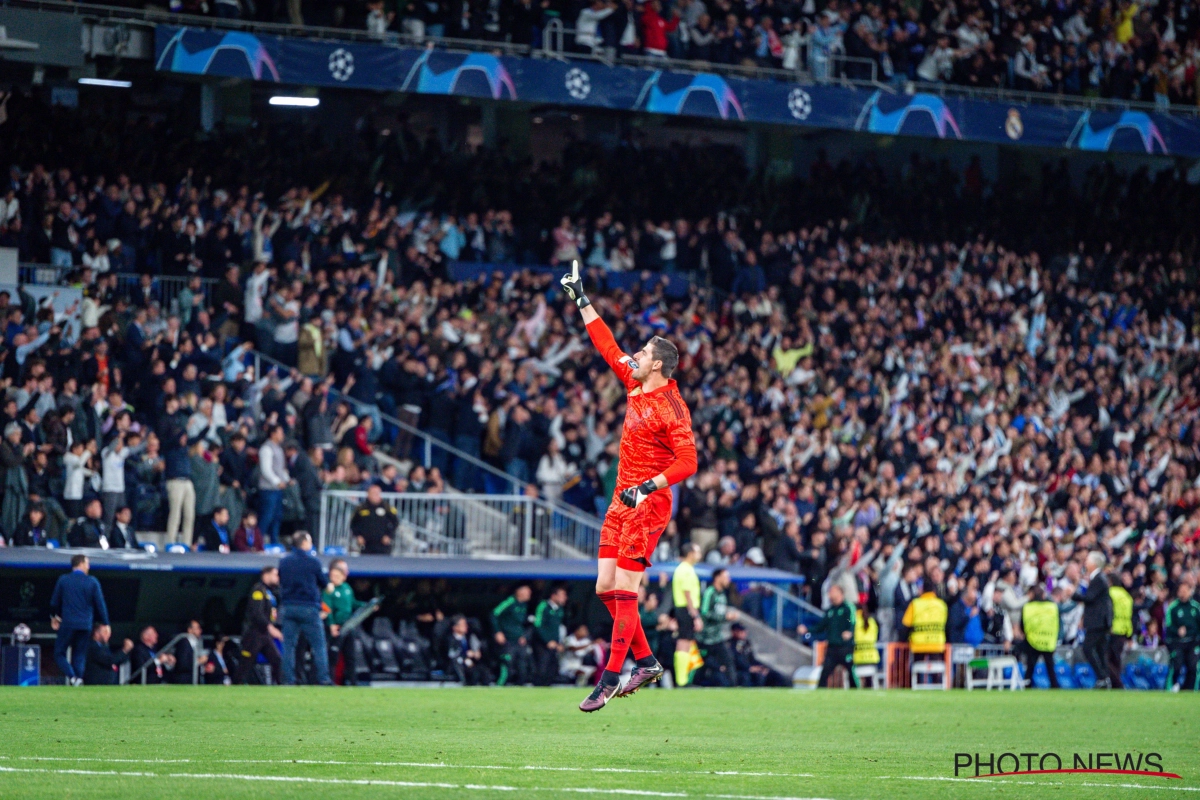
[784, 611]
[119, 16]
[166, 288]
[429, 445]
[458, 525]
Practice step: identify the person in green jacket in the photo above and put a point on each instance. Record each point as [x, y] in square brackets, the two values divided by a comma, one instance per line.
[341, 602]
[510, 620]
[838, 626]
[1181, 633]
[713, 638]
[547, 636]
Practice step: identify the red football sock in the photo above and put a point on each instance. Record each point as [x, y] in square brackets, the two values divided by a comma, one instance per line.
[610, 603]
[639, 645]
[625, 626]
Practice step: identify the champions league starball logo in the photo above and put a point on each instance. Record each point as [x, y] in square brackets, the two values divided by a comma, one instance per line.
[341, 64]
[577, 83]
[799, 103]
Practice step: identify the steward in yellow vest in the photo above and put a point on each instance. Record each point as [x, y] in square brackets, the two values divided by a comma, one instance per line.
[1121, 631]
[866, 634]
[1122, 611]
[1039, 623]
[926, 620]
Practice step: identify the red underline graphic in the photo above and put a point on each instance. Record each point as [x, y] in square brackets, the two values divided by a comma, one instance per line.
[1082, 771]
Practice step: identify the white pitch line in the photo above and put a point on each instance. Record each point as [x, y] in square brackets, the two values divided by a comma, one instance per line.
[413, 764]
[385, 782]
[1038, 783]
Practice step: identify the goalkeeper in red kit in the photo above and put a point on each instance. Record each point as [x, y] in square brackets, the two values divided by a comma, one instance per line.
[657, 450]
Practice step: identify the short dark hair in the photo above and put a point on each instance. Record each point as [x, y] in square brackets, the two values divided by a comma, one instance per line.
[262, 573]
[723, 571]
[667, 353]
[77, 559]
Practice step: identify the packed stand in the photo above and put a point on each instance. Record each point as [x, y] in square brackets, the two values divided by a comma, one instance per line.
[1116, 48]
[878, 414]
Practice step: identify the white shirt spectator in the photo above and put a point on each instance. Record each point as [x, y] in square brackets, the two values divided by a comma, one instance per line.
[76, 472]
[112, 465]
[256, 290]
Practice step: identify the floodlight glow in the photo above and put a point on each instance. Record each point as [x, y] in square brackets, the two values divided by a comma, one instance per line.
[106, 82]
[294, 102]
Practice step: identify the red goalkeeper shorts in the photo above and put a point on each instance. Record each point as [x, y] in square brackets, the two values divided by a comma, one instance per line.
[630, 534]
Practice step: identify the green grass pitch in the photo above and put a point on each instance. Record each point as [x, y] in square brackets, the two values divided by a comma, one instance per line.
[262, 742]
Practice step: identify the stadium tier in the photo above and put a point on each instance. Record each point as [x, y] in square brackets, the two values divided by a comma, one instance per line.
[439, 360]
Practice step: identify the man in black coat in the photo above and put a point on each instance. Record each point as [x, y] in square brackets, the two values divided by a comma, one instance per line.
[102, 661]
[308, 480]
[1097, 616]
[88, 530]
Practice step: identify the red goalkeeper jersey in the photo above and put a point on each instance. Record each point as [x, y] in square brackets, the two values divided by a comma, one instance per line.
[658, 426]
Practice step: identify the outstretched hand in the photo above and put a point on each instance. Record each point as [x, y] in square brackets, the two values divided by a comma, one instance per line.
[572, 284]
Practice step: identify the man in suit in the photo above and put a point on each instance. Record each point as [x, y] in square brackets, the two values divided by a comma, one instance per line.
[189, 653]
[121, 535]
[76, 605]
[1097, 616]
[102, 661]
[214, 535]
[147, 650]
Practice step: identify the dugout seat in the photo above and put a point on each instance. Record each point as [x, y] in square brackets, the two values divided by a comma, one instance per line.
[385, 665]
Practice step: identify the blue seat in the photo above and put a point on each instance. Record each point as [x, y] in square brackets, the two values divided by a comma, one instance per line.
[1041, 679]
[334, 550]
[150, 547]
[1066, 678]
[1084, 677]
[176, 547]
[275, 549]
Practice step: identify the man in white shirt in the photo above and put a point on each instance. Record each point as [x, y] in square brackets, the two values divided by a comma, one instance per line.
[273, 478]
[112, 471]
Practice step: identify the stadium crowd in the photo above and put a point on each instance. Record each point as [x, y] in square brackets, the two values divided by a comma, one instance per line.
[1116, 48]
[871, 411]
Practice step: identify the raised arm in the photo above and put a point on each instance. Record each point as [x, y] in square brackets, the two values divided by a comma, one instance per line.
[601, 336]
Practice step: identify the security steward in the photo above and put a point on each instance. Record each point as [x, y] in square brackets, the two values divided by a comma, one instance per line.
[259, 632]
[866, 636]
[1122, 626]
[1181, 629]
[838, 626]
[925, 619]
[374, 524]
[685, 593]
[547, 636]
[1039, 623]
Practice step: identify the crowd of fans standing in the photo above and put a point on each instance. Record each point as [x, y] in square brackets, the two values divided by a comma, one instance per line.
[856, 396]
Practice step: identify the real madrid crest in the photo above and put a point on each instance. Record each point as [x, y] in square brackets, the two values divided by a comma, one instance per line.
[1013, 126]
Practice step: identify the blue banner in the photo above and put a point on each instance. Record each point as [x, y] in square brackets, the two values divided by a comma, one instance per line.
[368, 66]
